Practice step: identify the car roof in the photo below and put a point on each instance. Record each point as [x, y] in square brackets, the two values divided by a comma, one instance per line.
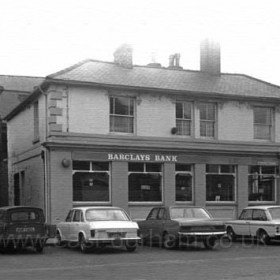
[19, 207]
[263, 207]
[84, 208]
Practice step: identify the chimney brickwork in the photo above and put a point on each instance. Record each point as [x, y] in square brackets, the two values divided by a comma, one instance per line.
[210, 57]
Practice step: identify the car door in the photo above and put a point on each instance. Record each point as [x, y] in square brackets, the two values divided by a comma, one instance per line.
[148, 226]
[242, 225]
[75, 225]
[259, 219]
[65, 226]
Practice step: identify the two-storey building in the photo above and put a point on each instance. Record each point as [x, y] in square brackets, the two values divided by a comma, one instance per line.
[113, 133]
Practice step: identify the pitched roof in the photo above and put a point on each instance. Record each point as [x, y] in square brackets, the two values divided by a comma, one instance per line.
[144, 77]
[19, 83]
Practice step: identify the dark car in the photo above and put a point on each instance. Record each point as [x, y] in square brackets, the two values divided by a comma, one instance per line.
[21, 227]
[173, 226]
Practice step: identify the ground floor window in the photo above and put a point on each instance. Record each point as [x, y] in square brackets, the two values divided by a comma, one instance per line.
[91, 181]
[184, 182]
[144, 182]
[220, 182]
[262, 182]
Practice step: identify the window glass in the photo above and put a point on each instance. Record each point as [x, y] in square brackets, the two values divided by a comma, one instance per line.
[81, 165]
[106, 215]
[69, 216]
[2, 215]
[24, 216]
[189, 213]
[259, 215]
[153, 214]
[77, 216]
[145, 185]
[162, 214]
[93, 185]
[183, 182]
[275, 213]
[262, 182]
[263, 123]
[207, 119]
[137, 167]
[220, 186]
[122, 114]
[246, 214]
[184, 118]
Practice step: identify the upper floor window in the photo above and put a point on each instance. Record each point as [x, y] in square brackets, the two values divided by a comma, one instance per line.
[122, 114]
[263, 123]
[36, 120]
[184, 118]
[207, 112]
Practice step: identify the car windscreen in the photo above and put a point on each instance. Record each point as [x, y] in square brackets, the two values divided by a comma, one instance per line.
[189, 213]
[275, 213]
[105, 215]
[24, 215]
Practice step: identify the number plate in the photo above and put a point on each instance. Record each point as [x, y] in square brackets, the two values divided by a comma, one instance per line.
[116, 234]
[24, 230]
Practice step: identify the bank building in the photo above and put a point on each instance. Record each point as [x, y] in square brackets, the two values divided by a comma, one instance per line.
[114, 133]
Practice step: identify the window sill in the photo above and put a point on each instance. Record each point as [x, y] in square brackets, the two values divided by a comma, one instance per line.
[91, 203]
[147, 203]
[221, 203]
[251, 203]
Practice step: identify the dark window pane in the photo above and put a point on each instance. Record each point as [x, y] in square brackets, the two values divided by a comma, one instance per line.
[212, 168]
[81, 165]
[183, 167]
[90, 186]
[183, 187]
[227, 169]
[179, 110]
[136, 167]
[262, 115]
[268, 170]
[145, 187]
[220, 187]
[153, 167]
[100, 166]
[254, 169]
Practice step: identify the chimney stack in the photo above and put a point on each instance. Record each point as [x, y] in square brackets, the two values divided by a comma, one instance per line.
[123, 56]
[210, 57]
[174, 62]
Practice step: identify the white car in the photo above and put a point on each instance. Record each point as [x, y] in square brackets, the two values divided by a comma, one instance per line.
[260, 222]
[98, 226]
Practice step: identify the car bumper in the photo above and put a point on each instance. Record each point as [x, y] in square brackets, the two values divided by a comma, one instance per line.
[202, 235]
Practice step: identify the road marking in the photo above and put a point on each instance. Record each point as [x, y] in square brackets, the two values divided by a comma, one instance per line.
[163, 262]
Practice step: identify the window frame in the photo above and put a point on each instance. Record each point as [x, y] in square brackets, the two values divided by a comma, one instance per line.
[183, 120]
[91, 171]
[112, 114]
[270, 126]
[191, 172]
[207, 121]
[222, 173]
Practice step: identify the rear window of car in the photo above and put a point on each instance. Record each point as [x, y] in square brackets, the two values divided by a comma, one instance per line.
[105, 215]
[24, 215]
[189, 213]
[275, 213]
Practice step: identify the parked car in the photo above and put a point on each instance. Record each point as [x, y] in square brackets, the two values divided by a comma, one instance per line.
[173, 226]
[258, 222]
[91, 227]
[21, 227]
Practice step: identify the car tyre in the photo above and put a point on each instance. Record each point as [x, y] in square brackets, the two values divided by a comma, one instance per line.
[39, 247]
[263, 237]
[131, 246]
[169, 241]
[209, 243]
[83, 244]
[231, 234]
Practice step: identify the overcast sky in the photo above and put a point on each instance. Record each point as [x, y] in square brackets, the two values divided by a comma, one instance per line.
[39, 37]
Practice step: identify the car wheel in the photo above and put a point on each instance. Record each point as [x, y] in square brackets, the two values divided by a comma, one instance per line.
[209, 243]
[263, 237]
[231, 234]
[131, 246]
[39, 247]
[83, 244]
[169, 241]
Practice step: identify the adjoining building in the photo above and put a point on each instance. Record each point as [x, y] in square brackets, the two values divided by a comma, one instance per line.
[13, 90]
[114, 133]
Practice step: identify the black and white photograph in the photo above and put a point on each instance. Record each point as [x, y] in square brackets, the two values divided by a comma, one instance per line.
[140, 140]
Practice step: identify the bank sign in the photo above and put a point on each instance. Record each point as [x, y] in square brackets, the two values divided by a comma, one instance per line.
[142, 157]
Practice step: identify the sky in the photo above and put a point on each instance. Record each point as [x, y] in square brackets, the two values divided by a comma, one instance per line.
[40, 37]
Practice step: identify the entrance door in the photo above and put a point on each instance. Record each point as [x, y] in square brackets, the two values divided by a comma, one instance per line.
[16, 190]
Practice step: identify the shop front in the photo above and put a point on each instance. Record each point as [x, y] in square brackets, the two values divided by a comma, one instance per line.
[137, 181]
